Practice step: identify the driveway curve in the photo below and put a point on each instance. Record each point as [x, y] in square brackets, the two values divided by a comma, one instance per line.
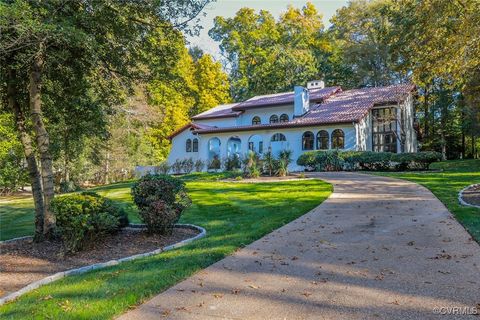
[378, 248]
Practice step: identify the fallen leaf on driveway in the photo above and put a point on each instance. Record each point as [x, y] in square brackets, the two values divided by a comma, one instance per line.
[218, 295]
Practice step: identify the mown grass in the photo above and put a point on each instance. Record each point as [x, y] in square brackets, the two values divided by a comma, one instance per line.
[446, 184]
[234, 215]
[17, 213]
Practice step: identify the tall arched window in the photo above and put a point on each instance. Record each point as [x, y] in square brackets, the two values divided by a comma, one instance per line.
[284, 118]
[322, 140]
[274, 119]
[195, 145]
[338, 139]
[256, 120]
[278, 137]
[214, 149]
[188, 146]
[307, 141]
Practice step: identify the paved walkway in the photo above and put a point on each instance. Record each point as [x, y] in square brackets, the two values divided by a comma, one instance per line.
[378, 248]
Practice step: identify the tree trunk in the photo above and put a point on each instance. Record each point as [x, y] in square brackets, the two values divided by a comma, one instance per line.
[427, 116]
[33, 173]
[43, 142]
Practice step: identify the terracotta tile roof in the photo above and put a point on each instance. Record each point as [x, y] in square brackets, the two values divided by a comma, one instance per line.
[352, 105]
[343, 107]
[276, 99]
[195, 126]
[221, 111]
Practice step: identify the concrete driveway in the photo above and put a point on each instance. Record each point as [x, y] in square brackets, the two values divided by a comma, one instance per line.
[378, 248]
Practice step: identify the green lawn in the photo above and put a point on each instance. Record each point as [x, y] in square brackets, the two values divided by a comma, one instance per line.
[233, 214]
[455, 175]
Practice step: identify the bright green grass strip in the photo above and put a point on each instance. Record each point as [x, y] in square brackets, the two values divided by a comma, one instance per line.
[234, 214]
[456, 175]
[17, 213]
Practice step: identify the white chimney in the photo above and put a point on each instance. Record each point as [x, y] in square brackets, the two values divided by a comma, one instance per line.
[301, 101]
[315, 84]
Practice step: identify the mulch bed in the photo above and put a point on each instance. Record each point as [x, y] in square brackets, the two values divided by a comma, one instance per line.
[472, 195]
[23, 262]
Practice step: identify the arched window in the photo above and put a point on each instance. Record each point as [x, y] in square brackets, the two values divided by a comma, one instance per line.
[278, 137]
[307, 141]
[213, 149]
[195, 145]
[284, 118]
[338, 139]
[188, 146]
[256, 120]
[274, 119]
[322, 140]
[234, 145]
[255, 143]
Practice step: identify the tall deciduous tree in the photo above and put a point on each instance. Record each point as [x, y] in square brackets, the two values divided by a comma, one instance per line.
[264, 55]
[106, 42]
[212, 86]
[364, 34]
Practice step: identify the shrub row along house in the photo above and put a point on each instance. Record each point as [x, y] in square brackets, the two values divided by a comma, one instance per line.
[312, 118]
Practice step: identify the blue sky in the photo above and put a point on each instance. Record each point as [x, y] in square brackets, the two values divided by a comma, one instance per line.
[228, 8]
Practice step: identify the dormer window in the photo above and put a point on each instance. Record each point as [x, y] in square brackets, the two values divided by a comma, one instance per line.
[284, 118]
[256, 120]
[274, 119]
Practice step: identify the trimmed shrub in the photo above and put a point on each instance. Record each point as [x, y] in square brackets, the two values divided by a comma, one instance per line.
[199, 165]
[232, 163]
[187, 165]
[85, 218]
[307, 159]
[177, 166]
[214, 164]
[330, 160]
[416, 161]
[367, 160]
[161, 199]
[163, 168]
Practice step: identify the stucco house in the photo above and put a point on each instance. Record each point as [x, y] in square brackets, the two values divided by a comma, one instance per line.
[311, 118]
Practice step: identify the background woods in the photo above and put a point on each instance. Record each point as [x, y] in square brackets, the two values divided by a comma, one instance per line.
[89, 89]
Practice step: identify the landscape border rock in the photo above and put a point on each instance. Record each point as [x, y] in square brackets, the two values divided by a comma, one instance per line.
[59, 275]
[460, 196]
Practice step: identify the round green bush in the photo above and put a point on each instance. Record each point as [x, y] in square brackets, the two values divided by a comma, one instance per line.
[85, 218]
[161, 199]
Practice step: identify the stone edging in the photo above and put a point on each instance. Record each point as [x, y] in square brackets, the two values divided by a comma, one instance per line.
[16, 239]
[460, 196]
[59, 275]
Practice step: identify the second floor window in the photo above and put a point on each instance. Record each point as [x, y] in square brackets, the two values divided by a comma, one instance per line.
[256, 120]
[195, 145]
[284, 118]
[274, 119]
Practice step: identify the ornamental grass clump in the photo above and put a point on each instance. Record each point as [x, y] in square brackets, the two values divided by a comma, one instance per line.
[161, 200]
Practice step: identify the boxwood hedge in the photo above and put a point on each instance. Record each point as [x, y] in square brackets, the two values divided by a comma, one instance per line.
[336, 160]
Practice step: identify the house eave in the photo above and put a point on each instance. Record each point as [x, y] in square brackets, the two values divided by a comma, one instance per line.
[270, 126]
